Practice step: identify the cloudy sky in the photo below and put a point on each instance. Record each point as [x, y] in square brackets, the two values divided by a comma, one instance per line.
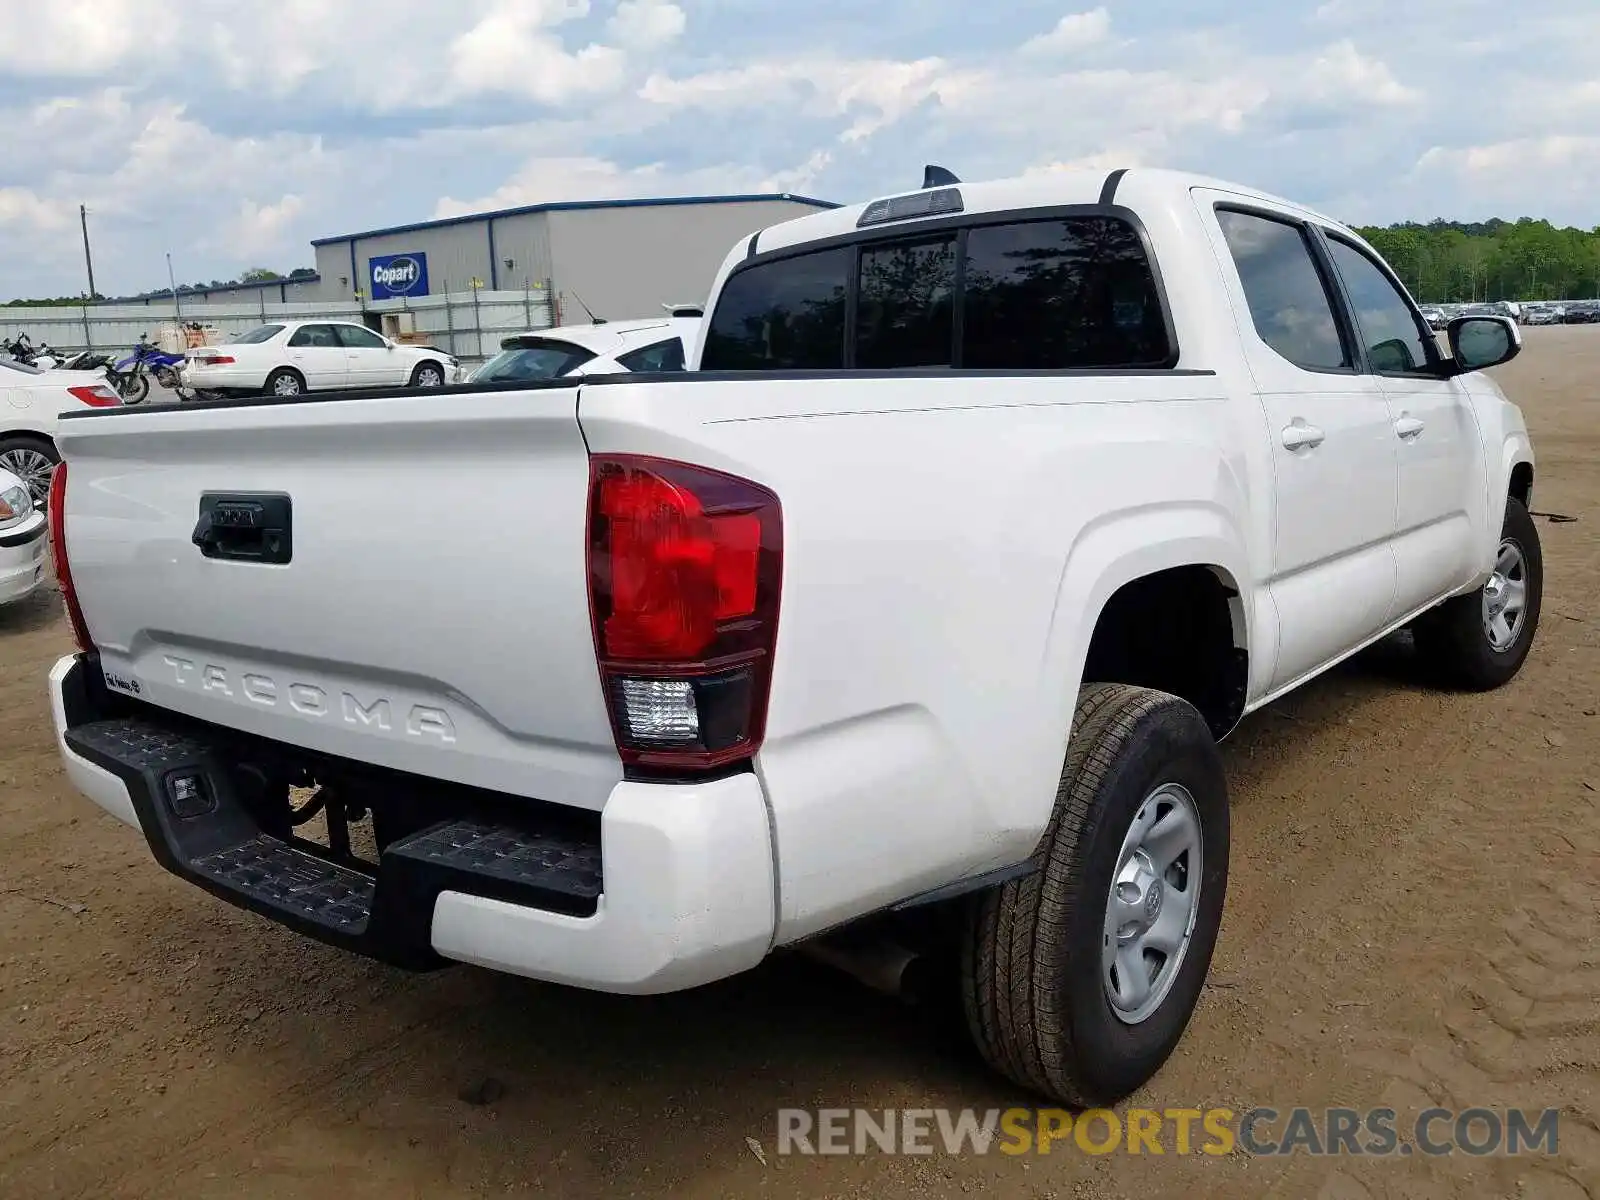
[231, 132]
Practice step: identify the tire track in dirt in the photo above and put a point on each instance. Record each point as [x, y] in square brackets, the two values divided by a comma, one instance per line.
[1522, 1030]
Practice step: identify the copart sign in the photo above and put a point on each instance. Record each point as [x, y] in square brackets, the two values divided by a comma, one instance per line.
[394, 275]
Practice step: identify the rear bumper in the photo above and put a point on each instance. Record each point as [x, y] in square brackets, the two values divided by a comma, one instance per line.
[676, 889]
[220, 378]
[22, 560]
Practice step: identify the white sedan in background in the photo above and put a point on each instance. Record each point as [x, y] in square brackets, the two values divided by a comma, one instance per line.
[607, 348]
[30, 402]
[21, 541]
[289, 358]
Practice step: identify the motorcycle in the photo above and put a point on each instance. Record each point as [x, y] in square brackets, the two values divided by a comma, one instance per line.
[42, 356]
[131, 376]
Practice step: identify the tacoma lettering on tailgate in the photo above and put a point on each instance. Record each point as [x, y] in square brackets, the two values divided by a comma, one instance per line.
[311, 700]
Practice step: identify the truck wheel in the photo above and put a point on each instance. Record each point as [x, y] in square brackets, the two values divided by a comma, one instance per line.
[1078, 980]
[1480, 640]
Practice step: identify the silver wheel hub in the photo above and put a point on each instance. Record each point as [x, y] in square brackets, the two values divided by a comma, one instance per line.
[1153, 905]
[33, 468]
[1505, 597]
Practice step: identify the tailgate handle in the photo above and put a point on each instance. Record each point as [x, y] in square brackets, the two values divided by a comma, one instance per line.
[245, 527]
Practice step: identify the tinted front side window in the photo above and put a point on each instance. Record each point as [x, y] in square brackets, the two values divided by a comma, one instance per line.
[663, 356]
[1061, 294]
[1288, 302]
[1390, 330]
[904, 304]
[782, 315]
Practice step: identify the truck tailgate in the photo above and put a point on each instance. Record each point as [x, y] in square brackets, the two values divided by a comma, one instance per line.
[433, 615]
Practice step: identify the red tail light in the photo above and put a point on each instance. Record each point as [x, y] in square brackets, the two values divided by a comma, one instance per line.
[95, 395]
[211, 360]
[58, 551]
[685, 567]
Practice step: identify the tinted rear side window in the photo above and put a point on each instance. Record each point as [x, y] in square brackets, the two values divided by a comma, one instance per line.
[782, 315]
[903, 308]
[663, 356]
[1076, 293]
[1289, 303]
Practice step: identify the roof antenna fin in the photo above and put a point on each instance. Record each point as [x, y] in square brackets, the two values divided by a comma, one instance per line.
[935, 176]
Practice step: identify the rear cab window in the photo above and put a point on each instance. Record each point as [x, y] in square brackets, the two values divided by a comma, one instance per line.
[1076, 292]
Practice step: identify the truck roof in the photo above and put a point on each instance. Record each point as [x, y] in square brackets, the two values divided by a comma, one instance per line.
[1135, 187]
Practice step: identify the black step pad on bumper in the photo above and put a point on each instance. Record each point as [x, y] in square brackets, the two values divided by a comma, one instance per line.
[201, 827]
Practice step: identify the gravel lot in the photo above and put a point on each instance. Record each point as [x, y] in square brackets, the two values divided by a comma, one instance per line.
[1413, 919]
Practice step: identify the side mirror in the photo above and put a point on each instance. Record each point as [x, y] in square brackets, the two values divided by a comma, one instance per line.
[1477, 343]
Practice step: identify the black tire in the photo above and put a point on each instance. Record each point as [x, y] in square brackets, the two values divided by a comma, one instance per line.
[32, 459]
[1454, 641]
[423, 369]
[133, 388]
[286, 381]
[1032, 979]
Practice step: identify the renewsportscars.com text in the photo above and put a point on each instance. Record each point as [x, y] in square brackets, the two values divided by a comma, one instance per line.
[1373, 1132]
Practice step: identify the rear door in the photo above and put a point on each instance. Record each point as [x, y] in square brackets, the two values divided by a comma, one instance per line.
[316, 352]
[371, 361]
[1442, 478]
[1335, 468]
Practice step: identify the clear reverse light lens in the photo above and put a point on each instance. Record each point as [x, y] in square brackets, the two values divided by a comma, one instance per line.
[660, 710]
[15, 506]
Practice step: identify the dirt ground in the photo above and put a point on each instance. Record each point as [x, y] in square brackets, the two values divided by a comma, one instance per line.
[1413, 919]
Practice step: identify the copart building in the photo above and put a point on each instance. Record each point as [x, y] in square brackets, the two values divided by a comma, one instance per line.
[617, 258]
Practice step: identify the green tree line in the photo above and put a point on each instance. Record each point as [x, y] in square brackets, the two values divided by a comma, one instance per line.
[253, 275]
[1446, 262]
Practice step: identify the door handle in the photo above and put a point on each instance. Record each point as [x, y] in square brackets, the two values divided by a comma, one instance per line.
[1298, 434]
[1408, 427]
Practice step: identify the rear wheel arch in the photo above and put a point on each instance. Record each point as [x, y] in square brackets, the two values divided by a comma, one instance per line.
[1183, 630]
[1520, 485]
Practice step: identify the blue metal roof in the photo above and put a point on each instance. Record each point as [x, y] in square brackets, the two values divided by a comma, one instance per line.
[571, 206]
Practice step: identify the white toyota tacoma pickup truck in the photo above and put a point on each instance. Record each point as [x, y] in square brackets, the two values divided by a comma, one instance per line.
[921, 601]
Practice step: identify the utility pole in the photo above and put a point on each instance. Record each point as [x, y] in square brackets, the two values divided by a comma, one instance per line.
[83, 219]
[177, 309]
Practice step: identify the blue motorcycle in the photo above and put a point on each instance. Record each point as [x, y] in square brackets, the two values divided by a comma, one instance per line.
[131, 376]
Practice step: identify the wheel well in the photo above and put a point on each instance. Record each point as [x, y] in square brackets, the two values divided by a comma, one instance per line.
[27, 435]
[296, 371]
[1180, 631]
[1522, 484]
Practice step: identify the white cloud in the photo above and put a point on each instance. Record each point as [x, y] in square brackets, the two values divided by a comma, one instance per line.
[512, 50]
[1075, 31]
[1342, 74]
[79, 37]
[646, 24]
[874, 93]
[263, 229]
[23, 207]
[549, 180]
